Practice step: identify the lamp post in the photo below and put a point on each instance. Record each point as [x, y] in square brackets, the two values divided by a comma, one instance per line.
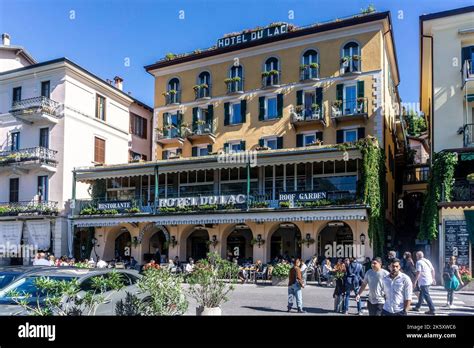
[259, 240]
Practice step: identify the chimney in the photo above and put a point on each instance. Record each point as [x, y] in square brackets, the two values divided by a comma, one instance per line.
[118, 82]
[5, 39]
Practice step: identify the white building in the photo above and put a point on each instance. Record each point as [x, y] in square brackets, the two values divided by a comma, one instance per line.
[54, 116]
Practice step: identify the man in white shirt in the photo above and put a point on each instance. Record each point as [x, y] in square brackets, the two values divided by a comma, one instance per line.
[398, 291]
[101, 263]
[40, 260]
[374, 279]
[425, 277]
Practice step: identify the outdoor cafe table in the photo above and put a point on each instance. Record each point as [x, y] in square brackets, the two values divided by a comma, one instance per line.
[251, 271]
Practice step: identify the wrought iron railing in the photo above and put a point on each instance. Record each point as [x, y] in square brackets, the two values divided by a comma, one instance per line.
[308, 114]
[469, 135]
[272, 79]
[173, 97]
[349, 107]
[235, 86]
[28, 207]
[308, 73]
[462, 190]
[36, 104]
[37, 154]
[202, 92]
[416, 175]
[168, 132]
[201, 129]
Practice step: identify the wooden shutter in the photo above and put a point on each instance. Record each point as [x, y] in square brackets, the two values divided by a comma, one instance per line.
[210, 114]
[299, 97]
[243, 110]
[165, 118]
[340, 136]
[226, 114]
[145, 128]
[280, 143]
[261, 108]
[226, 147]
[299, 140]
[319, 136]
[360, 89]
[319, 96]
[195, 116]
[261, 142]
[99, 150]
[360, 132]
[280, 105]
[339, 91]
[242, 145]
[194, 151]
[209, 148]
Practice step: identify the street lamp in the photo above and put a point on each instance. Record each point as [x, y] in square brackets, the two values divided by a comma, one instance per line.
[259, 240]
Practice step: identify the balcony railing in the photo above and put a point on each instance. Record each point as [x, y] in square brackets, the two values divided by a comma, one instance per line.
[463, 190]
[173, 97]
[308, 73]
[351, 63]
[35, 105]
[273, 79]
[168, 132]
[235, 86]
[467, 70]
[349, 107]
[469, 135]
[202, 91]
[37, 154]
[202, 129]
[28, 208]
[314, 113]
[416, 175]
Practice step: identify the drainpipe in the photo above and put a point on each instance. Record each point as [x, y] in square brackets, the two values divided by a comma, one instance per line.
[155, 203]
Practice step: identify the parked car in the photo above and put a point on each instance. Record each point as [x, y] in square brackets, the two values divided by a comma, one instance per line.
[26, 285]
[8, 274]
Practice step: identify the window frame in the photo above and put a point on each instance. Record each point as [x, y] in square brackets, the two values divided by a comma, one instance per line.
[98, 98]
[345, 131]
[99, 140]
[266, 116]
[231, 113]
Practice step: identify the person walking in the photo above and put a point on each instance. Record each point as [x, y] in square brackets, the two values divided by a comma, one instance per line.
[374, 279]
[339, 290]
[398, 290]
[295, 284]
[425, 277]
[352, 281]
[452, 280]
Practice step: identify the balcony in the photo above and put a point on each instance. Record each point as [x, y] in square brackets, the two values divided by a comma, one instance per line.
[28, 208]
[308, 116]
[271, 78]
[172, 97]
[416, 175]
[30, 158]
[468, 132]
[350, 64]
[308, 72]
[234, 85]
[38, 109]
[169, 135]
[468, 75]
[463, 191]
[202, 131]
[356, 109]
[202, 91]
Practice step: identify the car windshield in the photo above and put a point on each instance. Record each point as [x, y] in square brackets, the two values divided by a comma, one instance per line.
[27, 286]
[6, 278]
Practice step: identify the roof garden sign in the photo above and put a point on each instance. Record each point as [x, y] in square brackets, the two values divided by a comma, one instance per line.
[247, 36]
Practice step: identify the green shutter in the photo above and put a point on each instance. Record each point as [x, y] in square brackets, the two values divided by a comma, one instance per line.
[319, 136]
[261, 108]
[261, 142]
[319, 96]
[280, 105]
[243, 110]
[210, 116]
[226, 114]
[194, 151]
[360, 89]
[360, 133]
[299, 97]
[209, 148]
[299, 140]
[165, 118]
[280, 143]
[226, 147]
[339, 136]
[339, 91]
[242, 145]
[195, 116]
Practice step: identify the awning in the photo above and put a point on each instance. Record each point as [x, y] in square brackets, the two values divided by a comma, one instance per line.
[359, 213]
[469, 214]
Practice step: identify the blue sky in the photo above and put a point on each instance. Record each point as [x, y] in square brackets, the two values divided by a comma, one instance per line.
[105, 33]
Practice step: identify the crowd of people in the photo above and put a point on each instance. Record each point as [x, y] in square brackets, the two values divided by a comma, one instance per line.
[391, 284]
[47, 259]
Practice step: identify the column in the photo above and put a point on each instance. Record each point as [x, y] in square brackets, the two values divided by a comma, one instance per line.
[308, 251]
[260, 252]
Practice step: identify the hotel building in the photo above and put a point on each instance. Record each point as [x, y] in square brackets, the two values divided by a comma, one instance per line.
[447, 100]
[55, 116]
[254, 147]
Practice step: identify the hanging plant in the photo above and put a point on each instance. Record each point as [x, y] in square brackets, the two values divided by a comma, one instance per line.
[196, 87]
[314, 65]
[303, 66]
[441, 179]
[265, 73]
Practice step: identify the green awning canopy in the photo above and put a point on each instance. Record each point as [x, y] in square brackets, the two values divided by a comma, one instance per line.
[470, 97]
[469, 214]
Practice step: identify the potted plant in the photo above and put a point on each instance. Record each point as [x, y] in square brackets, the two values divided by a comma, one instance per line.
[299, 109]
[345, 59]
[265, 73]
[170, 56]
[355, 57]
[303, 67]
[196, 87]
[228, 80]
[206, 287]
[280, 274]
[284, 204]
[314, 65]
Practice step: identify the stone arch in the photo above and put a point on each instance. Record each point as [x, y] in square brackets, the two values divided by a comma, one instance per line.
[339, 232]
[242, 237]
[279, 232]
[115, 232]
[147, 233]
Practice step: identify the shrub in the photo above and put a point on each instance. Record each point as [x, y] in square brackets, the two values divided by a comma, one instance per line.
[281, 270]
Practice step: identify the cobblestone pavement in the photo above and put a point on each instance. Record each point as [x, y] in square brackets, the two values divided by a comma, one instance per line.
[250, 299]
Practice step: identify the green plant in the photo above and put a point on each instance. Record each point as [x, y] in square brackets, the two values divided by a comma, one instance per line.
[369, 9]
[170, 56]
[132, 306]
[281, 270]
[441, 180]
[208, 207]
[109, 212]
[132, 210]
[314, 65]
[259, 204]
[303, 67]
[254, 241]
[273, 72]
[265, 73]
[196, 87]
[97, 189]
[416, 124]
[284, 204]
[308, 242]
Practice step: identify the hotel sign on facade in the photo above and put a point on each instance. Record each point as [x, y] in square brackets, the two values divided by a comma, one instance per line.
[252, 36]
[302, 196]
[203, 200]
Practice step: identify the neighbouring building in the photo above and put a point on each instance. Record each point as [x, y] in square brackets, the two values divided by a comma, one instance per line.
[255, 148]
[447, 100]
[55, 116]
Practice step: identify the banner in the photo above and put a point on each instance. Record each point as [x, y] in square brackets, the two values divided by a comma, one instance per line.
[10, 232]
[39, 233]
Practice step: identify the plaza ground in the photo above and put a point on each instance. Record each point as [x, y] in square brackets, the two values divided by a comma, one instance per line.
[250, 299]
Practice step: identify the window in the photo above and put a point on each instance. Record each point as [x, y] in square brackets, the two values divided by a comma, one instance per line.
[14, 189]
[235, 114]
[99, 150]
[45, 89]
[309, 139]
[350, 135]
[15, 145]
[135, 156]
[336, 183]
[173, 95]
[271, 108]
[236, 79]
[351, 57]
[204, 85]
[235, 147]
[138, 126]
[44, 137]
[272, 143]
[43, 189]
[202, 151]
[309, 65]
[100, 107]
[170, 153]
[350, 100]
[16, 94]
[271, 73]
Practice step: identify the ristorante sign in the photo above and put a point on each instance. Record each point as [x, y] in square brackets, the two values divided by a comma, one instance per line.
[302, 196]
[117, 205]
[252, 36]
[203, 200]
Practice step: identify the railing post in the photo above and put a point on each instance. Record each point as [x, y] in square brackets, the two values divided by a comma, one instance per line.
[155, 203]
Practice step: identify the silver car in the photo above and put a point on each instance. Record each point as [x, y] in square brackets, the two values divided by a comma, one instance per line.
[26, 285]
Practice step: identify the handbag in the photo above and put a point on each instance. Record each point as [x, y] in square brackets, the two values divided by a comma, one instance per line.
[453, 283]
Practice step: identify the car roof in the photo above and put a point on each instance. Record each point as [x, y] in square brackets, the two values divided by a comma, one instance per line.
[64, 271]
[20, 269]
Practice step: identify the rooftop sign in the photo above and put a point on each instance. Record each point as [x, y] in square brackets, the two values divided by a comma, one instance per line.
[252, 36]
